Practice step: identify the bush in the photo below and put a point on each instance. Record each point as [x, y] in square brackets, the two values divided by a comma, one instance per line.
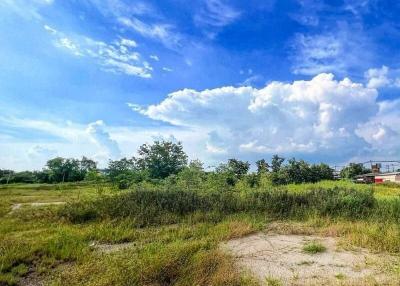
[163, 206]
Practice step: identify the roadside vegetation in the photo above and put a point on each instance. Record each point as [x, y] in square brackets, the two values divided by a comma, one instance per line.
[174, 215]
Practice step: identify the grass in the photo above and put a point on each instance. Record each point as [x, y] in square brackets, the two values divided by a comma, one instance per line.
[271, 281]
[176, 233]
[314, 247]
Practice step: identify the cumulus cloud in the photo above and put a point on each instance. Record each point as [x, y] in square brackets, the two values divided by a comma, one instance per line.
[67, 139]
[117, 57]
[382, 77]
[102, 138]
[321, 116]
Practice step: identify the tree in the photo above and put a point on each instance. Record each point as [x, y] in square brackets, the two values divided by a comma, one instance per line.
[353, 170]
[122, 172]
[322, 172]
[192, 176]
[68, 170]
[5, 176]
[276, 163]
[57, 169]
[238, 168]
[262, 166]
[87, 165]
[161, 159]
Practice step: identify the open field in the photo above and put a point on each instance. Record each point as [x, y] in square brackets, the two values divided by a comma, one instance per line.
[152, 236]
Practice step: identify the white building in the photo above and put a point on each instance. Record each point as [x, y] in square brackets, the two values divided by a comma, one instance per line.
[388, 177]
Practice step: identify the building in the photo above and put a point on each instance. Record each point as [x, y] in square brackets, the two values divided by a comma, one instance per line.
[387, 177]
[365, 178]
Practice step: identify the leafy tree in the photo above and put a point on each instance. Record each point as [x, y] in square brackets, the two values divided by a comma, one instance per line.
[321, 172]
[262, 166]
[192, 177]
[353, 170]
[68, 170]
[42, 176]
[276, 163]
[122, 172]
[26, 177]
[5, 176]
[87, 165]
[57, 169]
[161, 159]
[238, 168]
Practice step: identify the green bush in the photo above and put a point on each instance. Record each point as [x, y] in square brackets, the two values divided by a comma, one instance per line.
[163, 206]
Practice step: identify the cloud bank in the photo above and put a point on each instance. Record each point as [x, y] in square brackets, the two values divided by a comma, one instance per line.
[322, 116]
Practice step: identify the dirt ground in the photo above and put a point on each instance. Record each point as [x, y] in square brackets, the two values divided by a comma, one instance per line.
[279, 259]
[18, 206]
[110, 248]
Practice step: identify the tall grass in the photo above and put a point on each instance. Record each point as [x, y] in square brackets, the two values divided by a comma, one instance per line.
[148, 207]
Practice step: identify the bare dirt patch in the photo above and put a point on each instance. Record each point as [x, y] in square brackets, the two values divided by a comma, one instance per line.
[280, 259]
[18, 206]
[111, 248]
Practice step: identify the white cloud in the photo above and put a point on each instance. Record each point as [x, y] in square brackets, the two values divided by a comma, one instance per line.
[67, 139]
[38, 151]
[167, 69]
[50, 29]
[216, 13]
[28, 9]
[321, 116]
[116, 57]
[357, 7]
[252, 80]
[382, 77]
[128, 43]
[339, 50]
[103, 140]
[377, 77]
[69, 45]
[162, 32]
[154, 57]
[308, 13]
[118, 8]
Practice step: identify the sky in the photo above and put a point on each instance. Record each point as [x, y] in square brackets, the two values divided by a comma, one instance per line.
[312, 79]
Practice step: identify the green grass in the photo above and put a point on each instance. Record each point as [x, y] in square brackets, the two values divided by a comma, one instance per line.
[176, 234]
[270, 281]
[314, 247]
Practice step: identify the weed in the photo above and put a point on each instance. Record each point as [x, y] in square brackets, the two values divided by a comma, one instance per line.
[314, 247]
[271, 281]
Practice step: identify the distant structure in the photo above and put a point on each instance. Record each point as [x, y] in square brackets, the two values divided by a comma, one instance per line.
[377, 176]
[387, 177]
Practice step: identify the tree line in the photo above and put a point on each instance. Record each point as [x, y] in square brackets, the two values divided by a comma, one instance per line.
[163, 160]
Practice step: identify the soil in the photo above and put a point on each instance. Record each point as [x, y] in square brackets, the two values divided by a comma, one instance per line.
[280, 259]
[111, 248]
[15, 207]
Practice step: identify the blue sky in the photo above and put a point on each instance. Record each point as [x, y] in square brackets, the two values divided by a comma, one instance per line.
[314, 79]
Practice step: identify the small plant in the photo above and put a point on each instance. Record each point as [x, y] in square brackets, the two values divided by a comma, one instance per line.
[340, 276]
[314, 247]
[270, 281]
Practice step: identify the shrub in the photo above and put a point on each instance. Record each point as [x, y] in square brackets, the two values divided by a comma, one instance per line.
[163, 206]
